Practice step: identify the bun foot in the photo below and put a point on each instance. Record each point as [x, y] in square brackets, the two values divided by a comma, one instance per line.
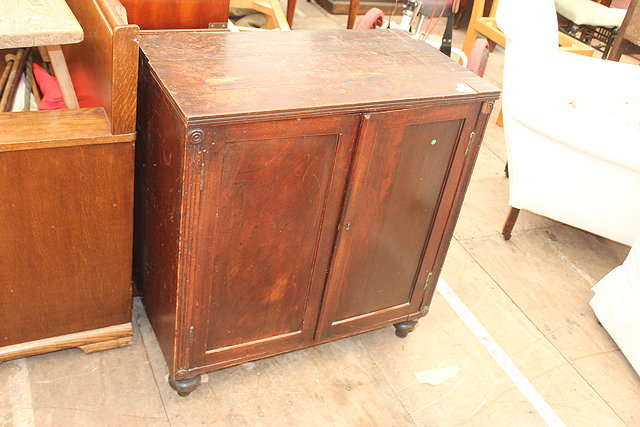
[403, 328]
[185, 387]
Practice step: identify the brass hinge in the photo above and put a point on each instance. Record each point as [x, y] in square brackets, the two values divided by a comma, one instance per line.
[471, 137]
[202, 177]
[191, 334]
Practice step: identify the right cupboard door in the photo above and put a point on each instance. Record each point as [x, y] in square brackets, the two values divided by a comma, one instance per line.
[407, 168]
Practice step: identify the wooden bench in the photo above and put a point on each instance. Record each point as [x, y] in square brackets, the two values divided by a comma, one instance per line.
[46, 25]
[66, 200]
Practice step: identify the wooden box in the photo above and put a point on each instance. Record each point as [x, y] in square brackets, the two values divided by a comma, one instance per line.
[66, 200]
[295, 187]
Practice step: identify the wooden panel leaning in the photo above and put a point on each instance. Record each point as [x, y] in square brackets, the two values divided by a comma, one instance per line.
[66, 200]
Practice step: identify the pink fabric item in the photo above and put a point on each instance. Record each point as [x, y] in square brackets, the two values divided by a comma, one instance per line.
[372, 19]
[51, 95]
[620, 4]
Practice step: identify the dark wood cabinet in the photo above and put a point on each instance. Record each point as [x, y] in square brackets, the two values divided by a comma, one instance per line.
[281, 205]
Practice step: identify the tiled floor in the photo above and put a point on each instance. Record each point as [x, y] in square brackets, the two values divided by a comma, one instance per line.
[530, 294]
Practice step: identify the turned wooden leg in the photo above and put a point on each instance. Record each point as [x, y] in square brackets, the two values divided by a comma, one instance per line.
[185, 387]
[291, 11]
[509, 223]
[403, 328]
[353, 11]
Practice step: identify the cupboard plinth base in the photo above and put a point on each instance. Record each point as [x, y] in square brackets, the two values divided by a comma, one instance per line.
[403, 328]
[89, 341]
[185, 387]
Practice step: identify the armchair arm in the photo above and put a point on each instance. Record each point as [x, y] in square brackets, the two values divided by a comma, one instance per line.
[609, 140]
[583, 77]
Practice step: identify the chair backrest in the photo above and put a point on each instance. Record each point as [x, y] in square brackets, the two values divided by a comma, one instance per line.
[533, 24]
[531, 46]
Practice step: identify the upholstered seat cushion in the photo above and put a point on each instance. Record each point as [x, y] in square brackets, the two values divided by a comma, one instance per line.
[587, 12]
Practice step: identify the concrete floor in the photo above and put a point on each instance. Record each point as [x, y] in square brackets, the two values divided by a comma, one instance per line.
[525, 299]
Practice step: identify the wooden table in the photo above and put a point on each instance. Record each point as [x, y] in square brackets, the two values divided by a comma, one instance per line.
[47, 25]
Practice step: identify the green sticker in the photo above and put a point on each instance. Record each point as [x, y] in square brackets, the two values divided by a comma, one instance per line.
[433, 142]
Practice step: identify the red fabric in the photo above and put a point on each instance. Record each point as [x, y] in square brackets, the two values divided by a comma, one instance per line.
[51, 95]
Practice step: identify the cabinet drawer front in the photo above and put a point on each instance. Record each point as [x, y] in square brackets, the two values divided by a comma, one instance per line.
[396, 192]
[269, 210]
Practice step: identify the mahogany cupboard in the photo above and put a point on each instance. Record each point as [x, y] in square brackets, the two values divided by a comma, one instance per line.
[295, 187]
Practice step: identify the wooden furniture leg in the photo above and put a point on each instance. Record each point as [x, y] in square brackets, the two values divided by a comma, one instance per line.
[291, 11]
[354, 5]
[62, 74]
[403, 328]
[472, 28]
[510, 222]
[185, 387]
[628, 38]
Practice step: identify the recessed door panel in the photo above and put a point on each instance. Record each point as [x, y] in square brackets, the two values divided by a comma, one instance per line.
[271, 203]
[392, 215]
[268, 218]
[395, 194]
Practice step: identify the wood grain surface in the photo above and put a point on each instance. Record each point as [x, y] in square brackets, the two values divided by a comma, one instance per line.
[88, 341]
[67, 196]
[65, 227]
[225, 76]
[104, 68]
[27, 23]
[176, 14]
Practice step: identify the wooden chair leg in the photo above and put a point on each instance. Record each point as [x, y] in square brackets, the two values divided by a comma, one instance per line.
[62, 74]
[291, 11]
[509, 223]
[354, 5]
[472, 34]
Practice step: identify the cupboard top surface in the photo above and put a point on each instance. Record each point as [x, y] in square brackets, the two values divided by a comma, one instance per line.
[232, 75]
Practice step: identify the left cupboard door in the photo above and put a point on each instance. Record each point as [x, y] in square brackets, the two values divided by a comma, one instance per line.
[269, 201]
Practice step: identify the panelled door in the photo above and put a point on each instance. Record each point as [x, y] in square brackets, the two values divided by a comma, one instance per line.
[394, 218]
[270, 203]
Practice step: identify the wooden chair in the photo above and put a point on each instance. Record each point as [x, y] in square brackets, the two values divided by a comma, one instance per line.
[66, 200]
[572, 146]
[588, 20]
[628, 39]
[47, 26]
[486, 25]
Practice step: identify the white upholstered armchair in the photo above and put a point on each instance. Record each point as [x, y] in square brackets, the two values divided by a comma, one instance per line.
[617, 305]
[572, 128]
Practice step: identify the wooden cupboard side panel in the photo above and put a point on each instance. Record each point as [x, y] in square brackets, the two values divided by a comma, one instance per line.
[65, 240]
[158, 198]
[406, 162]
[268, 217]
